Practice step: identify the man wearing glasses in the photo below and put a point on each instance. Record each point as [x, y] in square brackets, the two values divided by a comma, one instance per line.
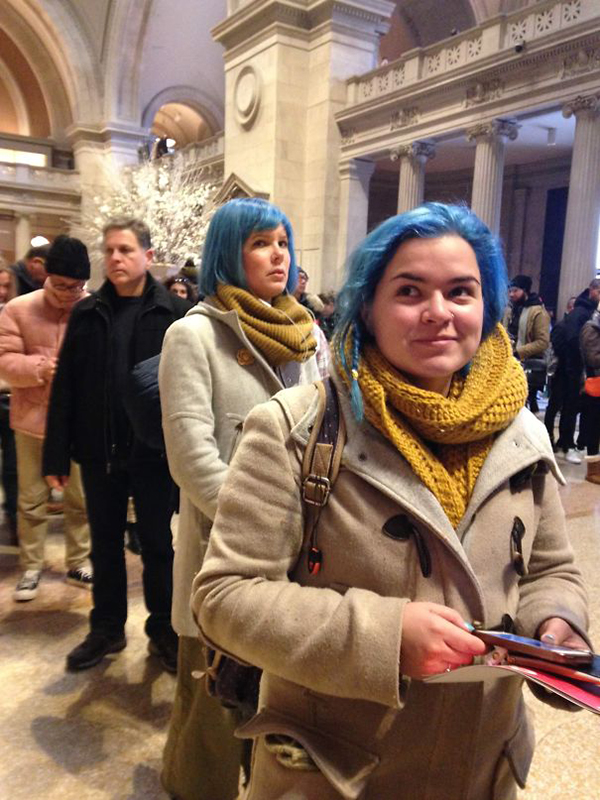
[32, 329]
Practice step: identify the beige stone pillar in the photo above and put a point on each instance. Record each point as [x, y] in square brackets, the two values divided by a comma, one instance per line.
[286, 66]
[22, 235]
[411, 184]
[578, 264]
[490, 138]
[355, 177]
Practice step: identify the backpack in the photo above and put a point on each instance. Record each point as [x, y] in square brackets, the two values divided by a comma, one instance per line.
[237, 685]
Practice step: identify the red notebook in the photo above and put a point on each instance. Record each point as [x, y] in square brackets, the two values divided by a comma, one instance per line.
[584, 693]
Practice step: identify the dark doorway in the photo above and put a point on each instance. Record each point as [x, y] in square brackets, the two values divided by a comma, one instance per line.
[554, 234]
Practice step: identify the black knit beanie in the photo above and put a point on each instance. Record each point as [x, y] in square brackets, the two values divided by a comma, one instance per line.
[68, 257]
[522, 282]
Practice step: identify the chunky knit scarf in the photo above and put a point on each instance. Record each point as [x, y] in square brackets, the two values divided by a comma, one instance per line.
[445, 439]
[282, 331]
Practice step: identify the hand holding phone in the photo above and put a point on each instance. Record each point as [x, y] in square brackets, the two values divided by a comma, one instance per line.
[533, 647]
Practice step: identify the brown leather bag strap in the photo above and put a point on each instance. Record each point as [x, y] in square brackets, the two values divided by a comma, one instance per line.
[321, 465]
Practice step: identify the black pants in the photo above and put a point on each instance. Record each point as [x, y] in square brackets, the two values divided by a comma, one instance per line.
[556, 399]
[569, 412]
[9, 459]
[152, 489]
[591, 415]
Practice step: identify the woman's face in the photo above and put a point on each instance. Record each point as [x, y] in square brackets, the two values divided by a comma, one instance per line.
[427, 311]
[180, 289]
[266, 261]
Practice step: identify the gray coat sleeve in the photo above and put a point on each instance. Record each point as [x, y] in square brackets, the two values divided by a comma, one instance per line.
[553, 586]
[188, 418]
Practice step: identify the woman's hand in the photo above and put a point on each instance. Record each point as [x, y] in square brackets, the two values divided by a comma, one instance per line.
[556, 631]
[434, 638]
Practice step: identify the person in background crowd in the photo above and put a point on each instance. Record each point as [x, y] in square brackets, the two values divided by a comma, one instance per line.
[182, 287]
[556, 372]
[32, 328]
[413, 545]
[327, 318]
[30, 272]
[584, 307]
[590, 414]
[528, 326]
[8, 288]
[245, 342]
[8, 533]
[111, 331]
[311, 301]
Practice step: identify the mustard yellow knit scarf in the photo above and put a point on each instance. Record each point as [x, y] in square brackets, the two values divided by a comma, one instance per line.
[282, 331]
[445, 439]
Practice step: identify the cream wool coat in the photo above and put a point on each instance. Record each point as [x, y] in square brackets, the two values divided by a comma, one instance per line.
[330, 644]
[205, 397]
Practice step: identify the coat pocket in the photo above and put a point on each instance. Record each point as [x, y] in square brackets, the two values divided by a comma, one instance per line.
[515, 760]
[236, 422]
[299, 747]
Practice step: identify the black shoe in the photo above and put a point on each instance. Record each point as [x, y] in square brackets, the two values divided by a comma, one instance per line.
[164, 645]
[132, 540]
[92, 650]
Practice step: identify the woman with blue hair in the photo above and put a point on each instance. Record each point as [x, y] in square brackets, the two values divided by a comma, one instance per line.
[445, 512]
[248, 339]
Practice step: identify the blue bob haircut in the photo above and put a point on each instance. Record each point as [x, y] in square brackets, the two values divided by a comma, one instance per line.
[367, 264]
[229, 228]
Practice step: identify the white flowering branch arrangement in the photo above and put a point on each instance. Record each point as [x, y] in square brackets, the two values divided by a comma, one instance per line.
[175, 202]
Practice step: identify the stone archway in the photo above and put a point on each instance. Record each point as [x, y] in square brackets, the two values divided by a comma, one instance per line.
[190, 96]
[59, 55]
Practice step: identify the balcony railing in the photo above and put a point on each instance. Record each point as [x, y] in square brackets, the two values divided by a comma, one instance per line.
[40, 178]
[515, 32]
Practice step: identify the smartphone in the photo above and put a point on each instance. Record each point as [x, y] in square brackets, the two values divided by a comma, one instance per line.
[533, 647]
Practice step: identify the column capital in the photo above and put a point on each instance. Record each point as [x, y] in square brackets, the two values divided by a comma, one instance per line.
[356, 169]
[581, 103]
[494, 129]
[417, 151]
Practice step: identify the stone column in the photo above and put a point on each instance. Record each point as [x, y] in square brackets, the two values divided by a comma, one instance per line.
[412, 158]
[355, 176]
[22, 235]
[578, 264]
[490, 138]
[286, 66]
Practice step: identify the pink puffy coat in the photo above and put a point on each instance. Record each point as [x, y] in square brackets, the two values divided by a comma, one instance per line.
[32, 329]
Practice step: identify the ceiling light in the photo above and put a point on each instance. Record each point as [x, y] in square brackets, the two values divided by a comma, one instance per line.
[39, 241]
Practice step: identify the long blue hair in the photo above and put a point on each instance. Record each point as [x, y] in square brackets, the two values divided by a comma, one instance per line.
[367, 264]
[229, 228]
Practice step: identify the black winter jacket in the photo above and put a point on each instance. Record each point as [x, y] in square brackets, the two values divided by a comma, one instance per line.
[80, 414]
[574, 322]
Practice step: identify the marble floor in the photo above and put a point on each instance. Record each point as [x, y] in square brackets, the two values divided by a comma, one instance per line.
[99, 734]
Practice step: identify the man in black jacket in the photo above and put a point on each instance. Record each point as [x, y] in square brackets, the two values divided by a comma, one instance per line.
[30, 273]
[108, 333]
[585, 305]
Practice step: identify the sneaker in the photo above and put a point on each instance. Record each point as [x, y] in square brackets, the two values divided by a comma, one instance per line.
[92, 650]
[27, 587]
[572, 456]
[164, 645]
[82, 577]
